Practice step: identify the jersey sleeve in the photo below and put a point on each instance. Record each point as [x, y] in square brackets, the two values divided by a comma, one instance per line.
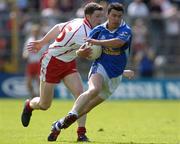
[125, 35]
[62, 25]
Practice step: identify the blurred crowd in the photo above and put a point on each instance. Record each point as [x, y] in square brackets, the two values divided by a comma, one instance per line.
[155, 25]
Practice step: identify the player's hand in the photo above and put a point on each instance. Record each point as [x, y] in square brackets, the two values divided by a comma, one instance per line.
[34, 46]
[84, 51]
[128, 73]
[93, 41]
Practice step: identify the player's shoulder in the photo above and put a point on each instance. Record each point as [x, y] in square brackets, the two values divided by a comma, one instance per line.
[78, 21]
[125, 27]
[99, 27]
[74, 24]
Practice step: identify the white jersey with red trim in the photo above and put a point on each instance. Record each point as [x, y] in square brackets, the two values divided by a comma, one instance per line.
[70, 38]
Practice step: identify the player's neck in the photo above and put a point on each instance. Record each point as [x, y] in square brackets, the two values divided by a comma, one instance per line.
[109, 27]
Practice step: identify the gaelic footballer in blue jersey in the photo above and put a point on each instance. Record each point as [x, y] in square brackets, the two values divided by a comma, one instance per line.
[104, 77]
[114, 57]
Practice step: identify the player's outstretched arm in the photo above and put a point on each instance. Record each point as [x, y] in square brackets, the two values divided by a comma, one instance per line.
[35, 46]
[128, 73]
[111, 43]
[52, 34]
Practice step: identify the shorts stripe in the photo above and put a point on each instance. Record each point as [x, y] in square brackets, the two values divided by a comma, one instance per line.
[44, 63]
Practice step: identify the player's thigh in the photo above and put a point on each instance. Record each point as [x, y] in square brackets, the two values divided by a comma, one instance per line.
[95, 82]
[46, 92]
[74, 83]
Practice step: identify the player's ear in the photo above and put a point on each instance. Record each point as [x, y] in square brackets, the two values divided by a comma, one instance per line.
[106, 15]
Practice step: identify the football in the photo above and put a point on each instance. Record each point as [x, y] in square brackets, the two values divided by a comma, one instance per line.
[96, 51]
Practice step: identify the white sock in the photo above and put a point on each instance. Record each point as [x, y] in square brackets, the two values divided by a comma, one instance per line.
[56, 126]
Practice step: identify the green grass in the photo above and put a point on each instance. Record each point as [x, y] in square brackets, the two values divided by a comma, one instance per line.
[114, 122]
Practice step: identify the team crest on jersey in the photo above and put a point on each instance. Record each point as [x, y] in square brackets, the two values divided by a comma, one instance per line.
[124, 34]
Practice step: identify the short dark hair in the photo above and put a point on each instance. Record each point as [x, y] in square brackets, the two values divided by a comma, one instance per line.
[91, 7]
[115, 6]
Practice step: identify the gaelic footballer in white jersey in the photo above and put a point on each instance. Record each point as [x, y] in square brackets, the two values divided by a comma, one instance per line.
[62, 51]
[71, 37]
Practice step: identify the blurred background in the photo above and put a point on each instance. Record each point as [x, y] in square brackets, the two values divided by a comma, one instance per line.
[155, 54]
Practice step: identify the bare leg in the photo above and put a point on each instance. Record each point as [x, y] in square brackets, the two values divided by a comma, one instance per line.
[46, 95]
[95, 86]
[72, 117]
[74, 83]
[84, 103]
[93, 103]
[43, 102]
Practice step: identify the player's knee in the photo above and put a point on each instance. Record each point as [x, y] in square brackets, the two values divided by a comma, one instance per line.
[44, 106]
[94, 92]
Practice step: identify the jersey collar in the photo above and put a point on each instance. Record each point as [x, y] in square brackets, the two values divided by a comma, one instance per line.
[121, 24]
[85, 20]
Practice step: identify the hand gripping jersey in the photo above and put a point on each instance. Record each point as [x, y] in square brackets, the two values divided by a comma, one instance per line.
[71, 37]
[113, 60]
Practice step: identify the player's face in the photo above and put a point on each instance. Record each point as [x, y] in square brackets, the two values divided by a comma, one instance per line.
[96, 18]
[114, 18]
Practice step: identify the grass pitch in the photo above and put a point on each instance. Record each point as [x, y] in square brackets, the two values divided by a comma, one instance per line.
[113, 122]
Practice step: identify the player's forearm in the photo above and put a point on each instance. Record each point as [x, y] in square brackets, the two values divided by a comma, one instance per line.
[52, 34]
[111, 43]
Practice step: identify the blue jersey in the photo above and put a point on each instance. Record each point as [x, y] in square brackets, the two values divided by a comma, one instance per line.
[113, 60]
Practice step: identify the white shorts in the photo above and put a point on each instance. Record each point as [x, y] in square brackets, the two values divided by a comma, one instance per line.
[54, 70]
[109, 85]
